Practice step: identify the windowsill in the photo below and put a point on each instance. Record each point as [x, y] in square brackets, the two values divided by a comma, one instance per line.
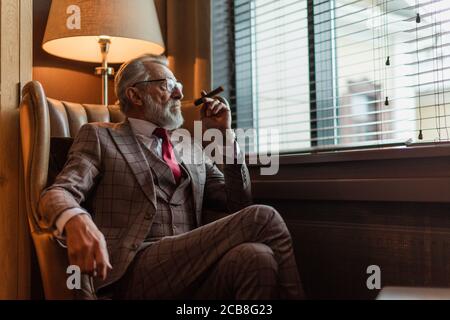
[419, 173]
[416, 151]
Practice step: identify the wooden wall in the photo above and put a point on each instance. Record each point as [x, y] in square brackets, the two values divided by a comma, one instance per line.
[348, 211]
[15, 69]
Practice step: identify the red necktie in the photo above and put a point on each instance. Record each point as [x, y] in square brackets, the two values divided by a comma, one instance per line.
[167, 153]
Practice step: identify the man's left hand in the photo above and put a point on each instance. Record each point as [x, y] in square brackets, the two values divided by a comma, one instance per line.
[215, 114]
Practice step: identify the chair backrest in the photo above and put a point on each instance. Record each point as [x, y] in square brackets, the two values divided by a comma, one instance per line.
[41, 120]
[67, 118]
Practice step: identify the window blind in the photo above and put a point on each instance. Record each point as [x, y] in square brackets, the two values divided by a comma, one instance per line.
[223, 67]
[337, 74]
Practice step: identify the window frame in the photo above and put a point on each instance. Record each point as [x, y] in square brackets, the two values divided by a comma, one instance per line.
[330, 154]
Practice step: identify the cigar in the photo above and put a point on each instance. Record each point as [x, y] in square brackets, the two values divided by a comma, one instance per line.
[209, 95]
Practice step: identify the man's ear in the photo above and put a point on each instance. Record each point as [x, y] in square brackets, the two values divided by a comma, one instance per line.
[134, 96]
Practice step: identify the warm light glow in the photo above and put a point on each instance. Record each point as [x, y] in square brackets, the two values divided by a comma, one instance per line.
[87, 48]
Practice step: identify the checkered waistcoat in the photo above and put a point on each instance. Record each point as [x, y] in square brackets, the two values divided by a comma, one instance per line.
[174, 202]
[108, 174]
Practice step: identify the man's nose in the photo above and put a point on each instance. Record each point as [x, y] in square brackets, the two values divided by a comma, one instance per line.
[177, 94]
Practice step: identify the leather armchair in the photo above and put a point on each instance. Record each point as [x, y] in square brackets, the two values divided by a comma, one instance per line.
[44, 121]
[41, 119]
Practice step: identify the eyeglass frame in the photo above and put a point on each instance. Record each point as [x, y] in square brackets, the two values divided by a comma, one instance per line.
[176, 84]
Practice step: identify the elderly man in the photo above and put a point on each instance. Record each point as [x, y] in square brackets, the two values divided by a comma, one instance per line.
[130, 207]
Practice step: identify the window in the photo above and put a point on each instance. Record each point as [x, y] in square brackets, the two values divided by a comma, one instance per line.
[335, 74]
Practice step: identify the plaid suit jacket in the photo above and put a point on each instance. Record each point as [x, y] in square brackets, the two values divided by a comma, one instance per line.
[108, 174]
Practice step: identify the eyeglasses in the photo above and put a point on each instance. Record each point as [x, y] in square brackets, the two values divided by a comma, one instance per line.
[170, 86]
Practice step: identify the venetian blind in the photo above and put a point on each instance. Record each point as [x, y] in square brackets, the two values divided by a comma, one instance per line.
[331, 74]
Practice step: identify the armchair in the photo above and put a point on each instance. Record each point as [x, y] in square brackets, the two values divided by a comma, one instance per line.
[41, 120]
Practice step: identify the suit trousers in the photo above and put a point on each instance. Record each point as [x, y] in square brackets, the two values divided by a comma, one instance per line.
[246, 255]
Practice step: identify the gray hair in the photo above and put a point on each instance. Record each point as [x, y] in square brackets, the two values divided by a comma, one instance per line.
[131, 72]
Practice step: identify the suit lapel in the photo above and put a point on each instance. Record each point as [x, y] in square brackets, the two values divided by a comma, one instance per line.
[130, 149]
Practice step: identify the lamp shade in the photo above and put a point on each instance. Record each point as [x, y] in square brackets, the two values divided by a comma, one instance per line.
[75, 26]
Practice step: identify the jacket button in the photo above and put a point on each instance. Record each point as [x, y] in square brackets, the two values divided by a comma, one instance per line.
[147, 216]
[134, 246]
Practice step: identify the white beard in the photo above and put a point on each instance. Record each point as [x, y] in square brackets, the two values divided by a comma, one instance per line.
[166, 116]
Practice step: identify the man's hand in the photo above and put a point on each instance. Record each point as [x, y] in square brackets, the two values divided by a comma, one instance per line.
[215, 115]
[87, 246]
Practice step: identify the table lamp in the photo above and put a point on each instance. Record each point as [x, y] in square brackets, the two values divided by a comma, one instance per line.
[103, 31]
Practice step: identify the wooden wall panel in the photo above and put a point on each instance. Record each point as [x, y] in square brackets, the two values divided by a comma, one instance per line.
[9, 146]
[419, 174]
[335, 242]
[25, 242]
[14, 241]
[347, 211]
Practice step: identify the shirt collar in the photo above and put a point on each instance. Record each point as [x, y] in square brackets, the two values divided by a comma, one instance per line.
[142, 127]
